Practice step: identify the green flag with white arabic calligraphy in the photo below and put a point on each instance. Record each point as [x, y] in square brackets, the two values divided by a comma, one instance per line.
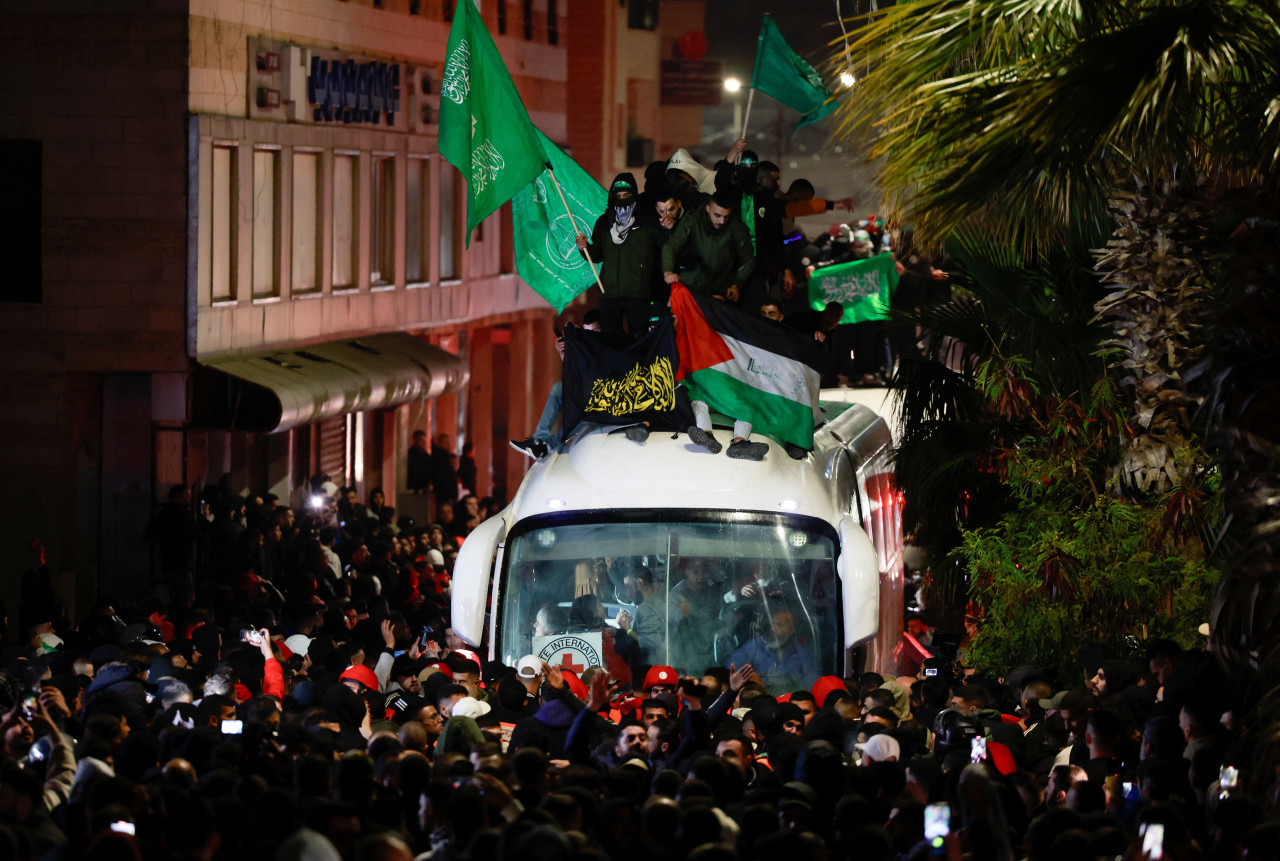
[782, 73]
[546, 256]
[862, 287]
[485, 131]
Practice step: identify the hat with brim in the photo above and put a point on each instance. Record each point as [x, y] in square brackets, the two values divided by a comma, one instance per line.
[470, 707]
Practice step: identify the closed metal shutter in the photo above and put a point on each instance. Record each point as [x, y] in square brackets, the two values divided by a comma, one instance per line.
[333, 448]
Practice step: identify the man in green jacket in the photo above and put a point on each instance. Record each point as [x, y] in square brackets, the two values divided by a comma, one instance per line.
[627, 245]
[718, 241]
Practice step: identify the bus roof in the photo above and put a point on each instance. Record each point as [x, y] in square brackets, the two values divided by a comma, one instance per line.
[603, 470]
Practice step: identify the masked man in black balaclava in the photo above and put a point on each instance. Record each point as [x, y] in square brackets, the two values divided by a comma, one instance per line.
[628, 246]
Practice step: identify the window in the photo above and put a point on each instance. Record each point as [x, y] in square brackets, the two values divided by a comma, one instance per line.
[642, 14]
[450, 228]
[266, 222]
[528, 20]
[344, 221]
[382, 249]
[502, 17]
[446, 9]
[306, 222]
[553, 23]
[417, 221]
[21, 189]
[787, 624]
[222, 250]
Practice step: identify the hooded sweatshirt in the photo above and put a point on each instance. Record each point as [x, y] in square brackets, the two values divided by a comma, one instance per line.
[627, 245]
[548, 727]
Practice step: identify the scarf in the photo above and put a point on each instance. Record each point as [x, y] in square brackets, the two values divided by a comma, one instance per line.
[623, 220]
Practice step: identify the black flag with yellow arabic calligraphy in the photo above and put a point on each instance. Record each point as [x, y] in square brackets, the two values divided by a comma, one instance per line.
[613, 385]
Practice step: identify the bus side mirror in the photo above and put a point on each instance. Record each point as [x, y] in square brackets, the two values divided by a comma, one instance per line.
[859, 572]
[472, 573]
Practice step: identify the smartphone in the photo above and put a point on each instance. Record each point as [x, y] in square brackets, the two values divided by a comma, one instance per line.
[559, 333]
[1153, 840]
[693, 689]
[978, 749]
[250, 636]
[427, 631]
[29, 706]
[937, 823]
[232, 727]
[930, 671]
[1228, 777]
[123, 827]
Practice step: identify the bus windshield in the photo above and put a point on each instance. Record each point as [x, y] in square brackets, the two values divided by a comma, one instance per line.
[690, 590]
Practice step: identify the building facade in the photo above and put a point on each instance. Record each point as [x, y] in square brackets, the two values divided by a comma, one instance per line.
[237, 257]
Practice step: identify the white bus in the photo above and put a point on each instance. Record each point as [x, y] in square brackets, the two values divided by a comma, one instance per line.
[736, 552]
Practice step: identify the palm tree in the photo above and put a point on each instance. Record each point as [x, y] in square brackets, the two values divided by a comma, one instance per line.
[1025, 118]
[1018, 335]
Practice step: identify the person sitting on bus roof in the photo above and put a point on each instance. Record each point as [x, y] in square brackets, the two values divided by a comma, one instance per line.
[547, 435]
[778, 656]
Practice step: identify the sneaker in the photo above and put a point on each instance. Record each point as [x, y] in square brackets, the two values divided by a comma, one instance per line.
[747, 450]
[704, 439]
[795, 452]
[637, 433]
[533, 447]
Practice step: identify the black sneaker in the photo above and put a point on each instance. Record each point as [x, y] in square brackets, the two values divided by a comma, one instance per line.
[747, 450]
[795, 452]
[533, 447]
[637, 433]
[704, 439]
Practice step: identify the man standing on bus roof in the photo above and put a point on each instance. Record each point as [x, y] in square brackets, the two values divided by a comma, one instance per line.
[779, 657]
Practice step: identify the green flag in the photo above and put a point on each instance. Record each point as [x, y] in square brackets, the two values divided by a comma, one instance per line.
[862, 287]
[546, 255]
[485, 131]
[780, 72]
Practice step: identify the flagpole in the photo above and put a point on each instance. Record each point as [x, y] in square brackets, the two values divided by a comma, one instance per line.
[574, 222]
[747, 116]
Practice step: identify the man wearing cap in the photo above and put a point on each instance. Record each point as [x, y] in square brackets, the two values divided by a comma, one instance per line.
[359, 678]
[627, 246]
[1075, 706]
[881, 747]
[529, 671]
[660, 680]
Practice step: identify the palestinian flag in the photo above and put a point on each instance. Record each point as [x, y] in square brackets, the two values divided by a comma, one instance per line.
[747, 367]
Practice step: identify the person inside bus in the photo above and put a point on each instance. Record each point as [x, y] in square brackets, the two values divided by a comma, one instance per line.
[550, 620]
[587, 615]
[649, 626]
[778, 655]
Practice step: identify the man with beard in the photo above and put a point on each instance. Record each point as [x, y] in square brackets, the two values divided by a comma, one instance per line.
[720, 261]
[626, 245]
[778, 656]
[710, 251]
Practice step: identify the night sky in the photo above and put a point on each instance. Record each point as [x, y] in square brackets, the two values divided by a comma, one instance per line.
[836, 168]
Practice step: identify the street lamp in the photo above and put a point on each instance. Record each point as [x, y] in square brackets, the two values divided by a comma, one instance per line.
[848, 79]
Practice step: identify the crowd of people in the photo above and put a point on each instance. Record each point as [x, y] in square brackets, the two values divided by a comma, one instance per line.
[730, 232]
[320, 706]
[289, 686]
